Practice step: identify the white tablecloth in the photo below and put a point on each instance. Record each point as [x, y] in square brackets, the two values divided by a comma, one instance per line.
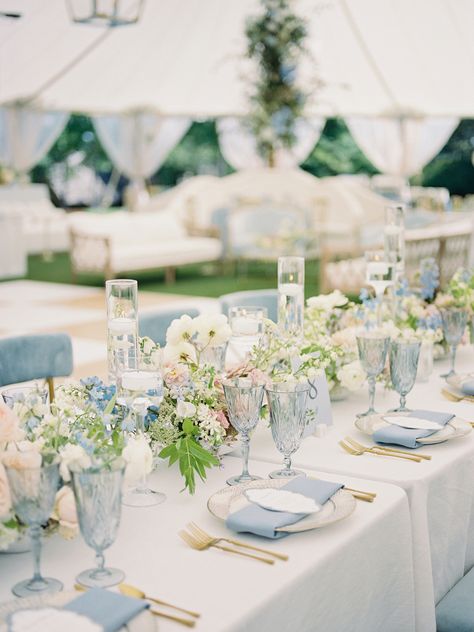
[355, 575]
[440, 491]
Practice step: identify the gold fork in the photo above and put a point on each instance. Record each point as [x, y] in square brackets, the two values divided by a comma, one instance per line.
[359, 446]
[195, 530]
[353, 451]
[200, 544]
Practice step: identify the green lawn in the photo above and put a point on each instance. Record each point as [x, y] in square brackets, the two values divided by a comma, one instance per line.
[203, 280]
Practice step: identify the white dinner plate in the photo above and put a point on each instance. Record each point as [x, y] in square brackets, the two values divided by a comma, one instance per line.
[143, 622]
[338, 507]
[455, 428]
[413, 423]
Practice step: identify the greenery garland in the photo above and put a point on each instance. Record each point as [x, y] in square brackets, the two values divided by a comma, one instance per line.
[275, 42]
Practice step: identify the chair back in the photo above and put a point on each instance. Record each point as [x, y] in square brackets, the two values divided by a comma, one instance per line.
[34, 357]
[155, 324]
[252, 298]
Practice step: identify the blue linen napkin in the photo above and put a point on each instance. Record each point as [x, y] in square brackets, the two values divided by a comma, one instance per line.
[264, 522]
[408, 437]
[467, 387]
[108, 609]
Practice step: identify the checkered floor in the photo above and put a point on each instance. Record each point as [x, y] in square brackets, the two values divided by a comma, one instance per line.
[36, 307]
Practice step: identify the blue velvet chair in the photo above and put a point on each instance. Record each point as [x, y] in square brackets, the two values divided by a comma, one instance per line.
[155, 324]
[455, 612]
[252, 298]
[34, 357]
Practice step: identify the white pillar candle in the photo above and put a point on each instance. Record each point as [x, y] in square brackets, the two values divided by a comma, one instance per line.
[122, 326]
[139, 380]
[377, 267]
[290, 289]
[392, 229]
[242, 326]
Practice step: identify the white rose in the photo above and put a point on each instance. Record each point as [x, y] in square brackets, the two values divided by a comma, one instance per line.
[64, 512]
[5, 498]
[72, 455]
[351, 376]
[185, 409]
[181, 330]
[139, 458]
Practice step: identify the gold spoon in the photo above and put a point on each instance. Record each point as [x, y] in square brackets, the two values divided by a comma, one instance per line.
[132, 591]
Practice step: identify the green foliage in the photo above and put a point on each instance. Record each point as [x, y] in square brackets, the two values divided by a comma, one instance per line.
[192, 458]
[275, 42]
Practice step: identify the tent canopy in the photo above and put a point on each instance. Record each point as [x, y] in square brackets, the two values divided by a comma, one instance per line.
[186, 58]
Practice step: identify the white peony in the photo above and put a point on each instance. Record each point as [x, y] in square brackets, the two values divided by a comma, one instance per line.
[327, 302]
[351, 376]
[212, 329]
[181, 330]
[185, 409]
[182, 352]
[138, 457]
[72, 455]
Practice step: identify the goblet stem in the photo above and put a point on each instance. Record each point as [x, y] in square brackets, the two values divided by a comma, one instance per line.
[371, 394]
[403, 402]
[287, 462]
[453, 358]
[100, 561]
[245, 455]
[35, 535]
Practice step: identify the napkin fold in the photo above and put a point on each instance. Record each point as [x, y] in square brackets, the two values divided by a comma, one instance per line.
[108, 609]
[264, 522]
[467, 387]
[408, 437]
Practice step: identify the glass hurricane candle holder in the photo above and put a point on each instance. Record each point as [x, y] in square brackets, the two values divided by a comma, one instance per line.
[394, 237]
[291, 296]
[379, 274]
[248, 326]
[122, 325]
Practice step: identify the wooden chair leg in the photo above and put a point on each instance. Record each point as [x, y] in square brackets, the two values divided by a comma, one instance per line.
[170, 275]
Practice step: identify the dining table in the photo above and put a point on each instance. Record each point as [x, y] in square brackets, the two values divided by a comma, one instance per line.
[440, 491]
[354, 575]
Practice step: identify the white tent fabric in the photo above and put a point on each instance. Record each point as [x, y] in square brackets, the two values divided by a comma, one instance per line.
[138, 143]
[26, 135]
[239, 148]
[186, 57]
[401, 146]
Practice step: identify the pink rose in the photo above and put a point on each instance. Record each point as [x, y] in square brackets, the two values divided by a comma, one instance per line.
[5, 499]
[222, 419]
[9, 426]
[178, 375]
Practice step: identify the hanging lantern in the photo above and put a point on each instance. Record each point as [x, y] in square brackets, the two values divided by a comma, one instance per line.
[109, 13]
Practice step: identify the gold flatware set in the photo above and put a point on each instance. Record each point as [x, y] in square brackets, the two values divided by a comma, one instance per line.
[198, 539]
[356, 449]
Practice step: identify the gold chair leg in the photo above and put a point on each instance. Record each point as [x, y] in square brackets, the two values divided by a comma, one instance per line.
[50, 383]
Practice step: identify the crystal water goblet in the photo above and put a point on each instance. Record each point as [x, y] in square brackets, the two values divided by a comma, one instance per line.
[404, 355]
[98, 494]
[244, 403]
[140, 391]
[215, 357]
[373, 348]
[29, 395]
[454, 321]
[287, 406]
[33, 490]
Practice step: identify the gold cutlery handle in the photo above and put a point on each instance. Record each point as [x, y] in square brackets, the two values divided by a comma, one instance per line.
[280, 556]
[170, 605]
[409, 457]
[188, 622]
[254, 557]
[425, 457]
[364, 497]
[360, 491]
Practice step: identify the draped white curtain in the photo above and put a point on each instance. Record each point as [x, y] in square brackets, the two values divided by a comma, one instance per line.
[138, 143]
[239, 148]
[26, 135]
[401, 146]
